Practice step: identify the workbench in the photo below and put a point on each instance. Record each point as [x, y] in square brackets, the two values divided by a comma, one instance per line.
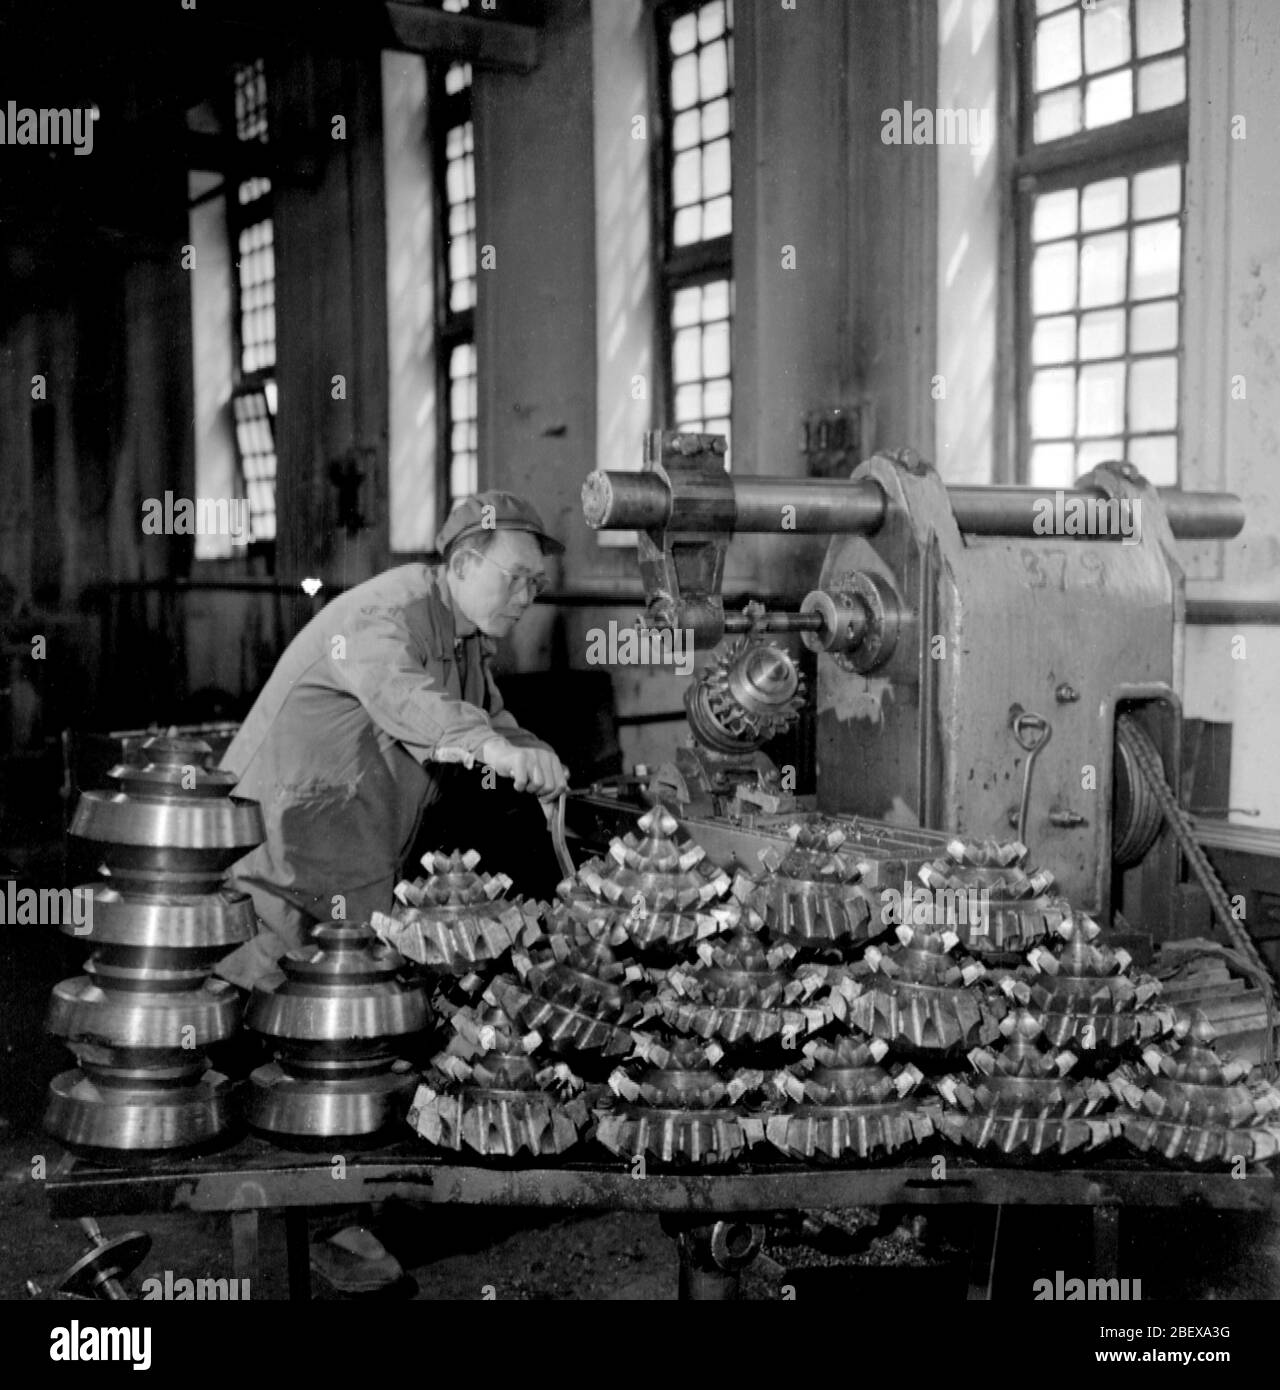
[256, 1177]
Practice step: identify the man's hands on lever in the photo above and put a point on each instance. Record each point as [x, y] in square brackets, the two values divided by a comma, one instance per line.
[535, 769]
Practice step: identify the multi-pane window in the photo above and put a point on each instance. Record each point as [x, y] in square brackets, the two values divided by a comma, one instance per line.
[1099, 191]
[252, 234]
[453, 135]
[695, 47]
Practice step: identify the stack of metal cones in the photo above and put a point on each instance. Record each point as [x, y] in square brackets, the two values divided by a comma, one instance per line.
[1188, 1105]
[1086, 995]
[1023, 1102]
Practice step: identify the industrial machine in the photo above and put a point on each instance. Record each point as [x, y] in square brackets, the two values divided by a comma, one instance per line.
[991, 662]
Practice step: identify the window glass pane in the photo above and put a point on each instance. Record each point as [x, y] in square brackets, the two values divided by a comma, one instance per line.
[1052, 465]
[1053, 278]
[1102, 334]
[715, 300]
[715, 169]
[684, 34]
[1058, 50]
[713, 69]
[717, 219]
[715, 350]
[686, 355]
[1104, 204]
[1106, 37]
[1054, 215]
[1054, 340]
[1156, 259]
[687, 227]
[1048, 6]
[1154, 327]
[685, 129]
[1108, 99]
[715, 118]
[1053, 403]
[710, 22]
[686, 307]
[1153, 394]
[1159, 26]
[1157, 192]
[1102, 398]
[1098, 451]
[684, 82]
[1058, 115]
[1161, 84]
[1156, 457]
[1102, 269]
[686, 178]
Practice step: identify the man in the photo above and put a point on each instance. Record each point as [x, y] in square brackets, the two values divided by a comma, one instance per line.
[375, 703]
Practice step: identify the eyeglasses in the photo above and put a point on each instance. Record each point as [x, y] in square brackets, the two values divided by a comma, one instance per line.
[536, 584]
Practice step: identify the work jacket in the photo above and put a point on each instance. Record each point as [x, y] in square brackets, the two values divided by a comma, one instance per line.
[348, 744]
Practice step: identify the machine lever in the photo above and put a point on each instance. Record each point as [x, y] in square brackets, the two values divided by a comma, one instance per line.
[1032, 732]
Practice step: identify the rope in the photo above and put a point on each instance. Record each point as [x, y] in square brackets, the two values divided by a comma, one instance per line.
[1180, 823]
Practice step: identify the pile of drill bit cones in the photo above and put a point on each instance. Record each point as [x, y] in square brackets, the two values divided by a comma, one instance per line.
[985, 892]
[1188, 1105]
[1024, 1102]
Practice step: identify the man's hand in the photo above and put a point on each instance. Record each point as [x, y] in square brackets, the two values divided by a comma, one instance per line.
[535, 769]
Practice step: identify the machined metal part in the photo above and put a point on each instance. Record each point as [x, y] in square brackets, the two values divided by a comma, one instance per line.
[288, 1106]
[861, 616]
[139, 1018]
[337, 1015]
[1085, 994]
[1024, 1102]
[1191, 1106]
[99, 1271]
[749, 694]
[631, 501]
[138, 1120]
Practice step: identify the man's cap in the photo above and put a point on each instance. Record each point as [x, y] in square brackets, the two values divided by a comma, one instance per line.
[494, 511]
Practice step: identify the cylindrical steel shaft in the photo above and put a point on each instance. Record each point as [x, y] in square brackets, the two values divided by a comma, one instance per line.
[773, 622]
[807, 506]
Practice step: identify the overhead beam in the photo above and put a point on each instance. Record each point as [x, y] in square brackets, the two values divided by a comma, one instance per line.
[490, 43]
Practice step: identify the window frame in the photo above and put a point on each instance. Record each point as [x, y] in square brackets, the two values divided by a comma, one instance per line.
[1143, 141]
[676, 268]
[453, 327]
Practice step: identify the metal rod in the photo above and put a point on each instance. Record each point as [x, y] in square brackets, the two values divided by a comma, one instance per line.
[1244, 612]
[774, 622]
[814, 506]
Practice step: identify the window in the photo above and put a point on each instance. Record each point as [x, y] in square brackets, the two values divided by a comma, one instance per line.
[695, 92]
[1099, 198]
[453, 136]
[252, 238]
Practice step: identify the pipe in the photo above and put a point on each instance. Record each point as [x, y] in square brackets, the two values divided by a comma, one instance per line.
[614, 501]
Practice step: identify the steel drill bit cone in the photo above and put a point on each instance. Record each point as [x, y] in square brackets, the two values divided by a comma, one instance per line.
[675, 1105]
[1023, 1103]
[145, 1009]
[1086, 995]
[337, 1014]
[578, 993]
[922, 995]
[494, 1092]
[456, 920]
[986, 893]
[742, 992]
[840, 1104]
[1191, 1106]
[655, 890]
[812, 895]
